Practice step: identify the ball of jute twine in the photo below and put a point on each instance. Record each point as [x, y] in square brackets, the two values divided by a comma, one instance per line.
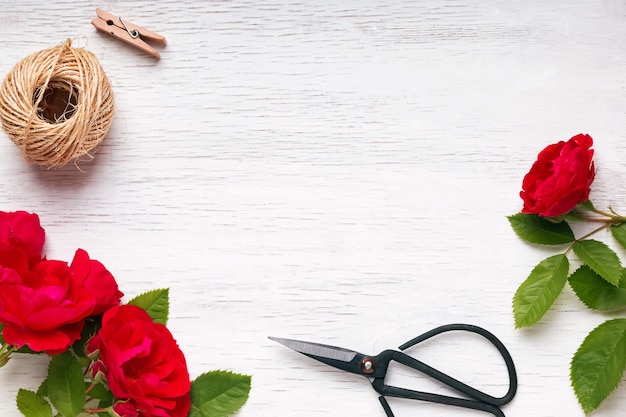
[57, 105]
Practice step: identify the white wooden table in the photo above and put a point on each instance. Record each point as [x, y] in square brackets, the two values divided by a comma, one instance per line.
[332, 171]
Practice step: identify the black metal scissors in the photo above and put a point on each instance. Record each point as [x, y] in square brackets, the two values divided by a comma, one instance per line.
[375, 368]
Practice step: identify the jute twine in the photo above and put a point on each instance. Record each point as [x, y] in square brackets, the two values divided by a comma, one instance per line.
[57, 105]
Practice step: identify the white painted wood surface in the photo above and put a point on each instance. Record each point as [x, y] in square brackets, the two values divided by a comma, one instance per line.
[336, 171]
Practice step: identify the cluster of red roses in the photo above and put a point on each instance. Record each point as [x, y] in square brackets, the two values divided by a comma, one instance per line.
[44, 305]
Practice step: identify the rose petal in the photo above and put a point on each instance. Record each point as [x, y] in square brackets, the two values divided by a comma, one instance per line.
[52, 342]
[14, 258]
[22, 230]
[98, 280]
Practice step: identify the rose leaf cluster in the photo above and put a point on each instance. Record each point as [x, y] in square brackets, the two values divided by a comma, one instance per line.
[555, 193]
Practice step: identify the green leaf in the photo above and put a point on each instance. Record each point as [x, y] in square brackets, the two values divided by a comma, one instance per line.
[602, 259]
[66, 388]
[619, 233]
[156, 303]
[573, 216]
[32, 404]
[100, 392]
[595, 292]
[536, 229]
[43, 388]
[598, 364]
[218, 394]
[535, 296]
[586, 205]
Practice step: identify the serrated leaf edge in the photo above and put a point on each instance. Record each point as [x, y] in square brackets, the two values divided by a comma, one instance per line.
[580, 245]
[37, 396]
[618, 240]
[247, 379]
[517, 322]
[516, 215]
[589, 409]
[585, 302]
[67, 391]
[134, 301]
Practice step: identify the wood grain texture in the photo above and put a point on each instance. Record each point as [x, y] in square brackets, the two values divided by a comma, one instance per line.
[332, 171]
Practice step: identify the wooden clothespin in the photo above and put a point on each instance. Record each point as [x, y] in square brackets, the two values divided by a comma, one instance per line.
[128, 32]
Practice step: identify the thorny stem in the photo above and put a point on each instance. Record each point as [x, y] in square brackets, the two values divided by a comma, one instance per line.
[89, 410]
[593, 232]
[92, 411]
[613, 217]
[609, 221]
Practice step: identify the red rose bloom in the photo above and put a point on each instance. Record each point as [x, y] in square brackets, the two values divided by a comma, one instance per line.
[21, 238]
[45, 307]
[144, 367]
[560, 178]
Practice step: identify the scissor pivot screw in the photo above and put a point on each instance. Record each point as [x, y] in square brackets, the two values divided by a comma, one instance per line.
[368, 365]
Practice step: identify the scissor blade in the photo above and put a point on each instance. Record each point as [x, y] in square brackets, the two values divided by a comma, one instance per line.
[317, 349]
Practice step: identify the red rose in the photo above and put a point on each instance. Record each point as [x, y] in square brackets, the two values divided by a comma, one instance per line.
[560, 178]
[144, 367]
[45, 308]
[20, 232]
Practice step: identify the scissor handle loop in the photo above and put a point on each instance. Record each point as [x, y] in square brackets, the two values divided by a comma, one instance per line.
[508, 360]
[481, 401]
